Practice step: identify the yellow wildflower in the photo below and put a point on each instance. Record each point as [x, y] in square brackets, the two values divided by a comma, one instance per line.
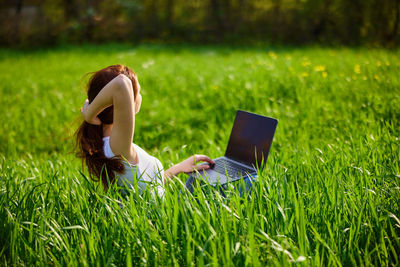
[324, 74]
[376, 77]
[364, 78]
[272, 55]
[304, 74]
[378, 63]
[387, 63]
[357, 69]
[306, 63]
[319, 68]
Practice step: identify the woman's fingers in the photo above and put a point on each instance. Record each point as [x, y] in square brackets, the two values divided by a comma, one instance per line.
[191, 164]
[203, 158]
[84, 110]
[203, 166]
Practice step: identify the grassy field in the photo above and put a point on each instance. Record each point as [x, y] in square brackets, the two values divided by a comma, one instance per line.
[329, 196]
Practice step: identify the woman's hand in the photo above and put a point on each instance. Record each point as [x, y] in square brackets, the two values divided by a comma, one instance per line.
[190, 164]
[85, 114]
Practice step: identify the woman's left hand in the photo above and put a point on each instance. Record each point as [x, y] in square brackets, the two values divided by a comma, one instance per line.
[190, 164]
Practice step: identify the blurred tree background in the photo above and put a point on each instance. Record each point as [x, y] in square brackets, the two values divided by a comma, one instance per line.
[351, 22]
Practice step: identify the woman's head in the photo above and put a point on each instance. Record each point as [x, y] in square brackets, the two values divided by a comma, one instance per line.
[89, 137]
[100, 78]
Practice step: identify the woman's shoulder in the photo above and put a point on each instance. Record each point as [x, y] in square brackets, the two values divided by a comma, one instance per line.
[146, 159]
[108, 151]
[143, 154]
[140, 150]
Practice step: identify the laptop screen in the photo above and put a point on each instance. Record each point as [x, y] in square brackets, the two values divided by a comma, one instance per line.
[251, 138]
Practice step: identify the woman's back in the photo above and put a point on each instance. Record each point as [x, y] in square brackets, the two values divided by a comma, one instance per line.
[148, 170]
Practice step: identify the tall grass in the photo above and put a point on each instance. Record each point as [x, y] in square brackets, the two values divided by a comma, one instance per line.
[329, 195]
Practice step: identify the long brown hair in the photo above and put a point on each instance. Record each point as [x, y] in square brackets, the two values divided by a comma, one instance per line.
[89, 137]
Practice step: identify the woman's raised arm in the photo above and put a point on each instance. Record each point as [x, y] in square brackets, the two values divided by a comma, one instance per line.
[119, 93]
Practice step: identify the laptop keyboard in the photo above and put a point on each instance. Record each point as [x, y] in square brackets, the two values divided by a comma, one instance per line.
[224, 166]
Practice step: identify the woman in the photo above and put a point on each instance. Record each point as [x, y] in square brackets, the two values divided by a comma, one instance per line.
[104, 139]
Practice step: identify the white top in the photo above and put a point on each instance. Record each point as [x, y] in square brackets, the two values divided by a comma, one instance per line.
[149, 170]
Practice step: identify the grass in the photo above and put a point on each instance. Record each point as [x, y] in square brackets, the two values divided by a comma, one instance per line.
[329, 195]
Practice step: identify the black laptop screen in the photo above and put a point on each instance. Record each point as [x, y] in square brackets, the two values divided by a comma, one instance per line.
[251, 138]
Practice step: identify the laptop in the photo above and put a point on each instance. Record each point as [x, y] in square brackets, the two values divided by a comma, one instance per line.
[248, 148]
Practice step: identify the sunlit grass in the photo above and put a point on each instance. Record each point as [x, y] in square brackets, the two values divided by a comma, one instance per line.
[329, 194]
